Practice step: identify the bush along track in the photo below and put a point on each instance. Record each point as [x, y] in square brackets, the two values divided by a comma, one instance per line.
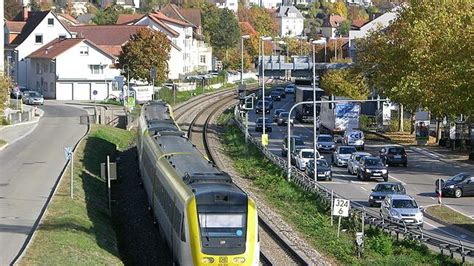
[310, 215]
[80, 231]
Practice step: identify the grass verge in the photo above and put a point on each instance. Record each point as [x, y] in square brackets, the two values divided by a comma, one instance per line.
[80, 231]
[450, 216]
[310, 216]
[2, 143]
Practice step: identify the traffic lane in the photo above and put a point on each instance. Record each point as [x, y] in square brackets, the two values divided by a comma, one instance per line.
[348, 185]
[30, 168]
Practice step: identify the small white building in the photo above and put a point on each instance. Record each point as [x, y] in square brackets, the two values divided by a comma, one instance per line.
[380, 22]
[290, 21]
[40, 28]
[229, 4]
[265, 3]
[73, 69]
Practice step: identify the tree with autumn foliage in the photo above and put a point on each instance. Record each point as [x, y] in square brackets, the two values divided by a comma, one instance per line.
[424, 58]
[260, 19]
[146, 49]
[345, 82]
[340, 8]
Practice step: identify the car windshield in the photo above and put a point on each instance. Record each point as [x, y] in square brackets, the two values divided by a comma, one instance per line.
[385, 188]
[34, 94]
[284, 114]
[404, 204]
[322, 163]
[325, 139]
[298, 141]
[275, 93]
[358, 157]
[396, 150]
[278, 111]
[373, 162]
[307, 154]
[260, 120]
[458, 178]
[347, 150]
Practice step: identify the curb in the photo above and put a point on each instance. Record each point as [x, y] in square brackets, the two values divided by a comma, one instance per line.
[4, 146]
[44, 209]
[25, 123]
[458, 228]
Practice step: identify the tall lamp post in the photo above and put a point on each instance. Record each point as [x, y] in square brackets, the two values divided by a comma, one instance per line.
[263, 39]
[315, 127]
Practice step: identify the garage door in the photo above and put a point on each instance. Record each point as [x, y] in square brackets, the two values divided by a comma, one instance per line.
[64, 91]
[101, 91]
[82, 91]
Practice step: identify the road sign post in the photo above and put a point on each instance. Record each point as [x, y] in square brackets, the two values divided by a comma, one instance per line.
[70, 156]
[341, 209]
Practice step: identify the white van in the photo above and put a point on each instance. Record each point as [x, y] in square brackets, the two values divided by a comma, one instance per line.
[354, 138]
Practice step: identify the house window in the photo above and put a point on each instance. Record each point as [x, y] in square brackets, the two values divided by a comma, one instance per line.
[97, 69]
[62, 36]
[84, 50]
[45, 86]
[45, 68]
[37, 85]
[202, 59]
[50, 22]
[51, 67]
[39, 38]
[38, 68]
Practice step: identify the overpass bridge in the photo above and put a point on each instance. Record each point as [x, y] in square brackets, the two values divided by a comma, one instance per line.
[297, 66]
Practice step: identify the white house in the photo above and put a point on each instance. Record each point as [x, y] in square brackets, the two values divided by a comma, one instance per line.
[229, 4]
[189, 52]
[365, 3]
[380, 22]
[265, 3]
[290, 21]
[73, 69]
[40, 28]
[127, 4]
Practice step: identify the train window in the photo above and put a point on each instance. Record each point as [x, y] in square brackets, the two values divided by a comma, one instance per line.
[222, 224]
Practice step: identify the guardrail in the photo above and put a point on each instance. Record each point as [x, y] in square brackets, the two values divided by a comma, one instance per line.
[371, 217]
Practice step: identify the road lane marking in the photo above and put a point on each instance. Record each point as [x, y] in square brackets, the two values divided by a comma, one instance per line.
[432, 198]
[363, 188]
[460, 212]
[442, 230]
[391, 176]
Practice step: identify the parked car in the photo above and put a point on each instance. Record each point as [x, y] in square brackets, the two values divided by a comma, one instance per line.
[402, 209]
[324, 170]
[326, 143]
[32, 97]
[383, 189]
[282, 119]
[276, 112]
[18, 93]
[281, 90]
[297, 143]
[354, 138]
[259, 107]
[457, 186]
[354, 160]
[275, 96]
[342, 154]
[372, 167]
[394, 155]
[300, 158]
[259, 125]
[290, 88]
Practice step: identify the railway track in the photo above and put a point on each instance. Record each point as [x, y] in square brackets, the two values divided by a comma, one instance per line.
[274, 250]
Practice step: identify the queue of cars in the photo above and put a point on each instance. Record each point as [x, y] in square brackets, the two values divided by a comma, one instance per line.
[27, 96]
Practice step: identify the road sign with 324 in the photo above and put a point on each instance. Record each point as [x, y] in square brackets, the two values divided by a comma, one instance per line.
[341, 207]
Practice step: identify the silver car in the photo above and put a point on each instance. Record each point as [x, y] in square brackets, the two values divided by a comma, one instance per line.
[326, 143]
[402, 209]
[354, 162]
[342, 154]
[33, 97]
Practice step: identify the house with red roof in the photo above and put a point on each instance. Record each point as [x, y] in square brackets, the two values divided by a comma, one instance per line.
[89, 77]
[330, 25]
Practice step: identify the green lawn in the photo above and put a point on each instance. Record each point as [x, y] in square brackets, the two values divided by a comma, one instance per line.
[80, 231]
[2, 142]
[310, 216]
[450, 216]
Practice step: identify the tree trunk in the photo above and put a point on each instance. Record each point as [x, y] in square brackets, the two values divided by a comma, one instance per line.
[401, 118]
[412, 121]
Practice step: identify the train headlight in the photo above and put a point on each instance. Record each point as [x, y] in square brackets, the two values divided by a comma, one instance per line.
[238, 260]
[207, 260]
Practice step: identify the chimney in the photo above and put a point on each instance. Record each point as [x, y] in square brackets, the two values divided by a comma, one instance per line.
[25, 13]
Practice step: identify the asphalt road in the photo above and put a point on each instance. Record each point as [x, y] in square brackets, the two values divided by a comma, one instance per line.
[29, 169]
[418, 178]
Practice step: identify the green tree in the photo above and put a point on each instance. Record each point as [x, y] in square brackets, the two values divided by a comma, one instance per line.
[357, 12]
[109, 15]
[5, 86]
[34, 6]
[372, 10]
[225, 30]
[11, 8]
[344, 28]
[146, 49]
[345, 82]
[420, 62]
[260, 19]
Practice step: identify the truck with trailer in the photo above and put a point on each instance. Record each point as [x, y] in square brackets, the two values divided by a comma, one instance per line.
[304, 93]
[336, 118]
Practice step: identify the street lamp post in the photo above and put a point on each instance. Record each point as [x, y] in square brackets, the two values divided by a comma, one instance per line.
[263, 39]
[289, 124]
[242, 57]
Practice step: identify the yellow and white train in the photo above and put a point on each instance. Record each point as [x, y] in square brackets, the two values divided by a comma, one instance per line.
[204, 217]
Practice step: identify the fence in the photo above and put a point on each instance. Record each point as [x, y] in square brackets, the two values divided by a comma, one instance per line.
[371, 217]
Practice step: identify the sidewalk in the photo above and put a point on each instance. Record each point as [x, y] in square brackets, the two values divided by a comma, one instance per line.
[12, 133]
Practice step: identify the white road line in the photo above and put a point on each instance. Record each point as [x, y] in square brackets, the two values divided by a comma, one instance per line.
[363, 188]
[442, 230]
[458, 211]
[432, 198]
[391, 176]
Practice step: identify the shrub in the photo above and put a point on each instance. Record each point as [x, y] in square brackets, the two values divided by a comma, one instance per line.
[394, 125]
